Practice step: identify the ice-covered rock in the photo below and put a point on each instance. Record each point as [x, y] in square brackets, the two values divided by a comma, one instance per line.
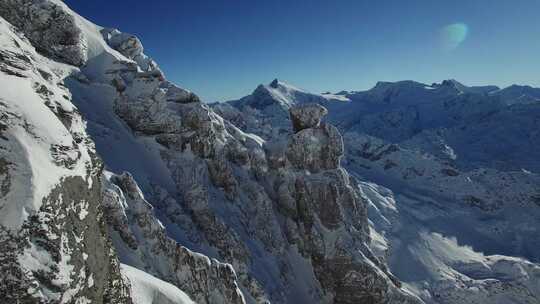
[131, 47]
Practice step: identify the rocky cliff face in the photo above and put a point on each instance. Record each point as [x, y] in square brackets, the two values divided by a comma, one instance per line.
[252, 203]
[142, 241]
[327, 216]
[233, 196]
[53, 229]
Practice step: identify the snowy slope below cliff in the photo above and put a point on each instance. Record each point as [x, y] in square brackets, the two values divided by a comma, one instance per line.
[146, 289]
[31, 128]
[437, 254]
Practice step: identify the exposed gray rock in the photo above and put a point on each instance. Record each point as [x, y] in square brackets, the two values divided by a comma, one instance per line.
[49, 27]
[131, 47]
[143, 243]
[255, 205]
[316, 149]
[307, 116]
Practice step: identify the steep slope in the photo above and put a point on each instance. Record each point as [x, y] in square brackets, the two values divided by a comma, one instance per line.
[216, 193]
[54, 247]
[142, 241]
[147, 289]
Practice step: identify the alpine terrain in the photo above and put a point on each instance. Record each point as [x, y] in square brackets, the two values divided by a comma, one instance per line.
[118, 186]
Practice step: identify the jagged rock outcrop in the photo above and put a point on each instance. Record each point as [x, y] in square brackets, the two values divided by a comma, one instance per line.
[131, 47]
[49, 27]
[307, 116]
[316, 149]
[219, 170]
[330, 218]
[143, 242]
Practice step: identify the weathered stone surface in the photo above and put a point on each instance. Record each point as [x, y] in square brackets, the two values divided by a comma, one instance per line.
[256, 203]
[307, 115]
[57, 249]
[131, 47]
[316, 149]
[50, 29]
[133, 225]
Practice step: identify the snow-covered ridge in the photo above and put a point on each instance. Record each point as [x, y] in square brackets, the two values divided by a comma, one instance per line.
[54, 242]
[451, 179]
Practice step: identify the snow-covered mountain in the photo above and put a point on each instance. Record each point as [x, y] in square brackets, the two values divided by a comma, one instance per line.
[117, 186]
[463, 125]
[451, 176]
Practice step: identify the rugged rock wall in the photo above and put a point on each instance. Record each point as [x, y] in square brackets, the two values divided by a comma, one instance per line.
[52, 30]
[251, 203]
[143, 242]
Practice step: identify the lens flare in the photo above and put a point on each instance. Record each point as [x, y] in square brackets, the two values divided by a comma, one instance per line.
[453, 35]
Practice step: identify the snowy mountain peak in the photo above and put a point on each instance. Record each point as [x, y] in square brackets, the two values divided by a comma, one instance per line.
[461, 88]
[274, 84]
[280, 94]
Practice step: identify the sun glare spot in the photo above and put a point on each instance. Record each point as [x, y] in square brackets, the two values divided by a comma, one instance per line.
[453, 35]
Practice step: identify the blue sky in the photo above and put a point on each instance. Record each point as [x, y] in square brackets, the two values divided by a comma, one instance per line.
[223, 49]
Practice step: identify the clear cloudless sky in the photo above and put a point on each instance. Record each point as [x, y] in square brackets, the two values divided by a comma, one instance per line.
[222, 49]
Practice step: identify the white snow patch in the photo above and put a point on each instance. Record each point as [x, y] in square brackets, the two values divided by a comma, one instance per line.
[146, 289]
